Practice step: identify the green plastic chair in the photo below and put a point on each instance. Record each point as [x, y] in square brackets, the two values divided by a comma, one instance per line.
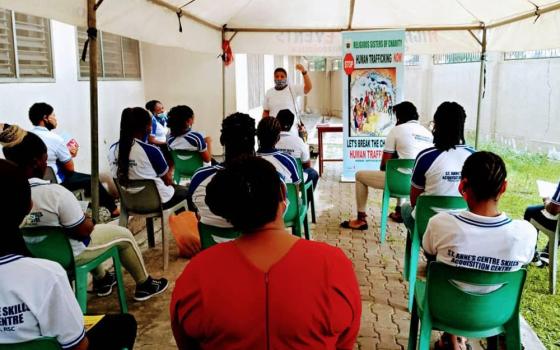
[186, 164]
[443, 303]
[308, 188]
[45, 343]
[426, 207]
[296, 213]
[398, 174]
[141, 198]
[52, 243]
[553, 237]
[211, 235]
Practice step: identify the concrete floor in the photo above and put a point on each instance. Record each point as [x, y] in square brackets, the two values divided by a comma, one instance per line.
[385, 319]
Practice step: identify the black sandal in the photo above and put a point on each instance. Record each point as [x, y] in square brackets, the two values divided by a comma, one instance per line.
[346, 224]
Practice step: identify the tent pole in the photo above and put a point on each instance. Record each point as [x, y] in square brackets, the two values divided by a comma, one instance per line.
[480, 87]
[92, 23]
[223, 77]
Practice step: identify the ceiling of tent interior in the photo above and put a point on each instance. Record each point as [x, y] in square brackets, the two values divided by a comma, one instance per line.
[312, 27]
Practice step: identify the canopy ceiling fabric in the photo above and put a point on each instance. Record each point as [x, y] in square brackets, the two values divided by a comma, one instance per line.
[287, 21]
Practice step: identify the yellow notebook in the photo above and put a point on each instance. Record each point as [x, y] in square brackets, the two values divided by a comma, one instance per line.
[91, 320]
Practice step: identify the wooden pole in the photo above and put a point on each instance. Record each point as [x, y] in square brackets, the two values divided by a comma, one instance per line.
[223, 77]
[92, 23]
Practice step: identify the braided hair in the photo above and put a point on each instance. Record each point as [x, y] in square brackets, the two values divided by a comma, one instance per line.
[24, 149]
[15, 204]
[238, 136]
[485, 173]
[449, 126]
[268, 132]
[177, 117]
[133, 121]
[256, 187]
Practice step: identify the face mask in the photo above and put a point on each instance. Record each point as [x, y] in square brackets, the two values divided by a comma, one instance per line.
[162, 116]
[280, 83]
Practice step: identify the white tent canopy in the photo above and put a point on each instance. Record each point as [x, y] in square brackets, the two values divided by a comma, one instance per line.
[313, 27]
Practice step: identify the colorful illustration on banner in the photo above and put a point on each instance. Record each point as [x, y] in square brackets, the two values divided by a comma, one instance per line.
[373, 93]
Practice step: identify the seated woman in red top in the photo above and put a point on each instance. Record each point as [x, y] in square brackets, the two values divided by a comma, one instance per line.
[267, 289]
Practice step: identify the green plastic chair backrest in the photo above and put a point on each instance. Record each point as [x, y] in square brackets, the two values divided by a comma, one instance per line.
[302, 183]
[37, 344]
[428, 206]
[139, 196]
[454, 297]
[211, 235]
[292, 212]
[50, 175]
[49, 243]
[186, 162]
[398, 175]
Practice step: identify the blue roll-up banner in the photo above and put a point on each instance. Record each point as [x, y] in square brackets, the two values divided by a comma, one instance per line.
[373, 83]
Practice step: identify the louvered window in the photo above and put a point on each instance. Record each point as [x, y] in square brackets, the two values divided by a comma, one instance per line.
[118, 57]
[25, 46]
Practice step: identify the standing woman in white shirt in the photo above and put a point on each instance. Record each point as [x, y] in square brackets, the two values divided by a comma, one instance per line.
[285, 96]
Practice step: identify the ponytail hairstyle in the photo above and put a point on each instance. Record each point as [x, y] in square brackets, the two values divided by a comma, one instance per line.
[449, 124]
[256, 188]
[25, 149]
[134, 121]
[15, 204]
[268, 132]
[485, 173]
[238, 136]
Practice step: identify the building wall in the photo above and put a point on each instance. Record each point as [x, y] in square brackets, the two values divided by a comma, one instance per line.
[70, 99]
[177, 76]
[521, 105]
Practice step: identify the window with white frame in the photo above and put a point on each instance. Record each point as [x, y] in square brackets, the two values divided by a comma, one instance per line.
[118, 57]
[25, 46]
[459, 57]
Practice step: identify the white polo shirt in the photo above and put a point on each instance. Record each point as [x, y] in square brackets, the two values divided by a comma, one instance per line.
[36, 301]
[158, 131]
[287, 98]
[408, 139]
[55, 206]
[57, 151]
[146, 162]
[197, 192]
[293, 145]
[467, 240]
[190, 141]
[438, 172]
[285, 165]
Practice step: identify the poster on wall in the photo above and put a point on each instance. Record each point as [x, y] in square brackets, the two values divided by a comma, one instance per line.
[373, 65]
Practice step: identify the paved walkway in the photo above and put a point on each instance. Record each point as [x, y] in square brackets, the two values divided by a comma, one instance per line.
[385, 318]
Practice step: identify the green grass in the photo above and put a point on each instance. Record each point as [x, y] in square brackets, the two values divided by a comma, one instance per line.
[539, 308]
